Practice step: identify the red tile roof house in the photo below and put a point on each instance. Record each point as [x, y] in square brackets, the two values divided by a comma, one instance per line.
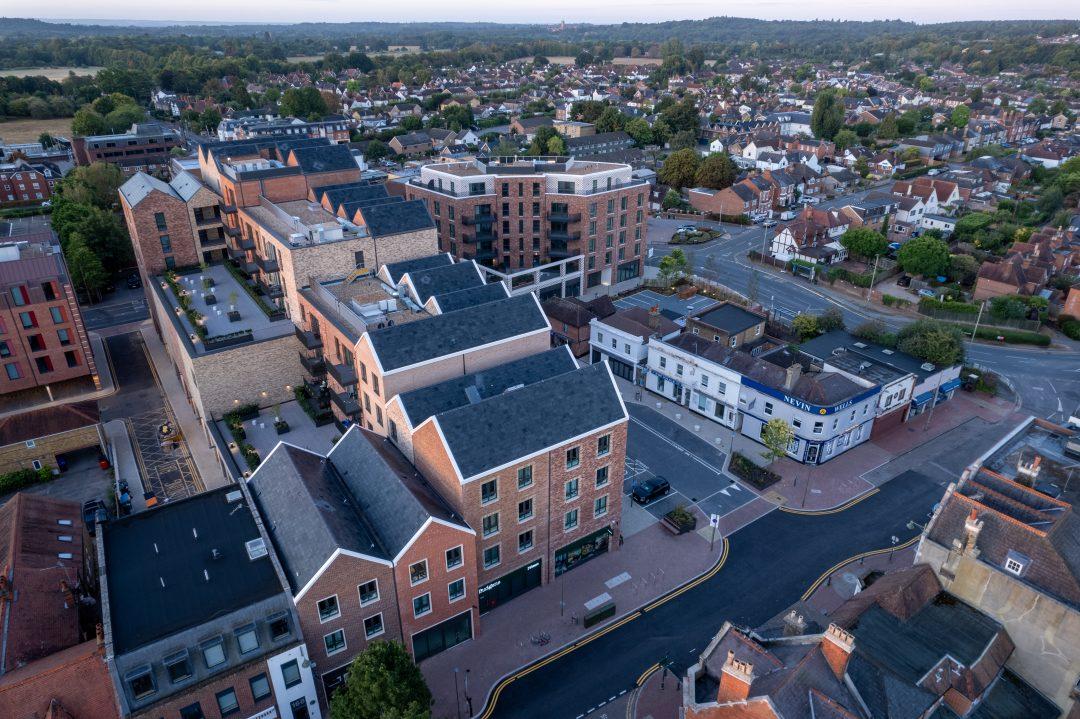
[50, 661]
[814, 236]
[1012, 276]
[570, 318]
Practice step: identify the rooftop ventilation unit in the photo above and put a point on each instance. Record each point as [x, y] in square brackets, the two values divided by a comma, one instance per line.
[860, 345]
[234, 496]
[255, 548]
[927, 367]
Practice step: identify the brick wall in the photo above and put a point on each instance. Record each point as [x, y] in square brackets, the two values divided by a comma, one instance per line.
[258, 372]
[146, 236]
[205, 694]
[19, 456]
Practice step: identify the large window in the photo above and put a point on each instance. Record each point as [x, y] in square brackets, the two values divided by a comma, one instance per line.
[600, 506]
[489, 491]
[454, 558]
[525, 510]
[328, 608]
[369, 592]
[456, 589]
[491, 524]
[334, 642]
[525, 541]
[373, 626]
[421, 605]
[418, 572]
[525, 477]
[601, 476]
[260, 687]
[573, 457]
[603, 445]
[214, 652]
[571, 490]
[227, 702]
[178, 667]
[570, 520]
[491, 556]
[247, 639]
[290, 674]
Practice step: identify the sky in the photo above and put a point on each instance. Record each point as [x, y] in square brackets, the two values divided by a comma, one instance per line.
[552, 11]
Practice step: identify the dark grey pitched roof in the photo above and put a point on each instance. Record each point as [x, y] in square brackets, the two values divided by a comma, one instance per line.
[459, 300]
[447, 278]
[419, 404]
[1010, 697]
[351, 192]
[407, 344]
[394, 499]
[396, 217]
[308, 513]
[145, 549]
[397, 269]
[730, 318]
[324, 158]
[531, 418]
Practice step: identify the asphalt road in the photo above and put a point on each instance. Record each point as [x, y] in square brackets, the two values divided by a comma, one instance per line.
[756, 583]
[1048, 381]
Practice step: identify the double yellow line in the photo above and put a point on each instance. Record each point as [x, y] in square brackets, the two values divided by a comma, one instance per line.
[840, 565]
[834, 510]
[494, 699]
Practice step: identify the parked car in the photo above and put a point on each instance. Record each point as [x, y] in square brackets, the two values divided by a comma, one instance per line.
[926, 292]
[93, 510]
[134, 282]
[904, 281]
[650, 489]
[769, 223]
[687, 228]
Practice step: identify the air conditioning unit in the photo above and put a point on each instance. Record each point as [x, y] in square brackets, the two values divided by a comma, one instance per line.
[256, 548]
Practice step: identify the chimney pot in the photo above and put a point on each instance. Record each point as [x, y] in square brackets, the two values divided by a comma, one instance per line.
[972, 526]
[735, 679]
[791, 375]
[837, 645]
[99, 630]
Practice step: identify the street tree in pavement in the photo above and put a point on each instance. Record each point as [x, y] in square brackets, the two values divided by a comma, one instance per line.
[864, 242]
[926, 256]
[776, 435]
[382, 683]
[680, 168]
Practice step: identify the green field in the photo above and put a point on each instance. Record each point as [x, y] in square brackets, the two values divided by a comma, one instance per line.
[53, 73]
[27, 130]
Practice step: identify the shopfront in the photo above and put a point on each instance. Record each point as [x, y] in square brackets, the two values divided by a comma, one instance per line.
[443, 635]
[582, 550]
[508, 586]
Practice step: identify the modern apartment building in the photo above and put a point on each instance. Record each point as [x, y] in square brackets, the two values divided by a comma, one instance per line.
[42, 338]
[198, 619]
[144, 147]
[516, 213]
[370, 550]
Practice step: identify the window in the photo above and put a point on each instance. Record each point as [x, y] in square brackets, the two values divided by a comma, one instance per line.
[1013, 564]
[818, 426]
[421, 605]
[418, 572]
[603, 445]
[373, 626]
[290, 674]
[573, 457]
[600, 506]
[571, 489]
[178, 667]
[159, 220]
[369, 592]
[525, 541]
[328, 608]
[44, 364]
[489, 491]
[37, 343]
[57, 314]
[705, 380]
[213, 652]
[72, 358]
[454, 558]
[247, 639]
[570, 520]
[141, 682]
[62, 334]
[227, 703]
[358, 259]
[768, 408]
[192, 711]
[663, 362]
[170, 262]
[334, 642]
[678, 368]
[19, 296]
[602, 476]
[260, 687]
[279, 626]
[491, 524]
[5, 350]
[525, 477]
[28, 319]
[525, 509]
[166, 244]
[456, 589]
[491, 556]
[796, 423]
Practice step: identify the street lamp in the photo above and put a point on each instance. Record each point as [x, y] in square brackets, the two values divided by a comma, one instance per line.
[912, 524]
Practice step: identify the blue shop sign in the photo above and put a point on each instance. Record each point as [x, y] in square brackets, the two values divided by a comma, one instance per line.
[807, 406]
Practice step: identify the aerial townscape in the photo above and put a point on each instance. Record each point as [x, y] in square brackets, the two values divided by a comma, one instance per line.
[571, 363]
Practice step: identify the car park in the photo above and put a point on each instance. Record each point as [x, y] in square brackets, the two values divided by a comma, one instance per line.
[650, 489]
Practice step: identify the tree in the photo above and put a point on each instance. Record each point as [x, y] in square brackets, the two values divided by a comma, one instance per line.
[674, 266]
[303, 102]
[209, 120]
[682, 115]
[683, 139]
[828, 115]
[805, 326]
[960, 116]
[638, 128]
[124, 117]
[87, 272]
[383, 682]
[87, 122]
[541, 61]
[505, 148]
[926, 256]
[610, 120]
[411, 123]
[716, 171]
[963, 269]
[864, 242]
[844, 139]
[936, 342]
[94, 184]
[777, 435]
[46, 139]
[556, 146]
[831, 319]
[887, 128]
[672, 199]
[680, 168]
[376, 150]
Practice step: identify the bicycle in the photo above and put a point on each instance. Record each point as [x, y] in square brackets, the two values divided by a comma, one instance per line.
[540, 639]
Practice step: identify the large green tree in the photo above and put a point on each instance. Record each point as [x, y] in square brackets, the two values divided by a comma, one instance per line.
[926, 256]
[674, 266]
[303, 102]
[383, 682]
[828, 115]
[864, 242]
[845, 138]
[680, 168]
[716, 171]
[638, 128]
[931, 341]
[610, 120]
[87, 272]
[777, 435]
[960, 116]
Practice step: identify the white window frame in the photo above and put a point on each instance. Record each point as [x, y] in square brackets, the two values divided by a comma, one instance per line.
[606, 506]
[337, 605]
[447, 559]
[430, 606]
[378, 594]
[344, 642]
[1009, 564]
[464, 590]
[483, 559]
[382, 626]
[427, 573]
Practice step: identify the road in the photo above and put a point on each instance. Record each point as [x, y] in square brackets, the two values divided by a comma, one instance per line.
[770, 564]
[1048, 380]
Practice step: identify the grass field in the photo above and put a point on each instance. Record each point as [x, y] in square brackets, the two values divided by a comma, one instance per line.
[305, 58]
[569, 60]
[28, 130]
[53, 73]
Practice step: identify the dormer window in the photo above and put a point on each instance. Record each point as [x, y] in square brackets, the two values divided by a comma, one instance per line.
[1016, 563]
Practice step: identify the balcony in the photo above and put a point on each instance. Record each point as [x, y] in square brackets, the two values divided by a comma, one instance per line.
[310, 340]
[564, 236]
[267, 264]
[343, 374]
[477, 219]
[314, 365]
[564, 217]
[483, 254]
[482, 236]
[245, 243]
[270, 290]
[559, 251]
[349, 405]
[225, 207]
[232, 231]
[205, 220]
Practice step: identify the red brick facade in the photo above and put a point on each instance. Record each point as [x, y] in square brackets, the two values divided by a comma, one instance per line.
[24, 186]
[161, 233]
[206, 695]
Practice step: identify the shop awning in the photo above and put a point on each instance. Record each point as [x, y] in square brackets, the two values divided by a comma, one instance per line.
[922, 399]
[950, 385]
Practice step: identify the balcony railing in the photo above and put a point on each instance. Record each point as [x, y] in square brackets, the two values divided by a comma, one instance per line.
[270, 290]
[479, 237]
[564, 236]
[310, 340]
[477, 219]
[348, 405]
[208, 220]
[343, 374]
[313, 365]
[267, 264]
[564, 217]
[246, 243]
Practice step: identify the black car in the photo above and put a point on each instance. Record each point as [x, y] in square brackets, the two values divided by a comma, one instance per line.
[93, 510]
[650, 489]
[133, 282]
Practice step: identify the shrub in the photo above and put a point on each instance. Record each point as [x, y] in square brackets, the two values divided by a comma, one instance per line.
[929, 303]
[744, 469]
[1011, 336]
[891, 301]
[22, 478]
[1070, 327]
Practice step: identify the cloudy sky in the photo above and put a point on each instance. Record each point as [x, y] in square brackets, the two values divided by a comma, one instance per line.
[597, 11]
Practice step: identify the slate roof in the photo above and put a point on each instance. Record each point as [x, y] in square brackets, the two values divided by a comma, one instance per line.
[635, 321]
[393, 218]
[443, 279]
[324, 158]
[459, 300]
[140, 185]
[48, 420]
[397, 269]
[577, 313]
[306, 511]
[540, 415]
[730, 318]
[143, 611]
[407, 344]
[338, 195]
[419, 404]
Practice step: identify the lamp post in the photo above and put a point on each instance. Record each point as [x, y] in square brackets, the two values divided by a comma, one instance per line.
[457, 696]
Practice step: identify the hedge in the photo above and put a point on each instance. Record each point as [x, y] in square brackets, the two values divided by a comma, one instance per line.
[930, 303]
[1010, 336]
[22, 478]
[1070, 327]
[744, 469]
[892, 301]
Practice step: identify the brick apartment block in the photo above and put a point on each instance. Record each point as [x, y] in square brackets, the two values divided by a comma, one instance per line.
[144, 147]
[521, 213]
[42, 337]
[370, 551]
[21, 184]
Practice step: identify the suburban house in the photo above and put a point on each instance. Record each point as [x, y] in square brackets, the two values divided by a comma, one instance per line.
[622, 339]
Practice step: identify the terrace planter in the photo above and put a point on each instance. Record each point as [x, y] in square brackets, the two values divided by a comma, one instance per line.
[210, 300]
[679, 521]
[234, 316]
[281, 426]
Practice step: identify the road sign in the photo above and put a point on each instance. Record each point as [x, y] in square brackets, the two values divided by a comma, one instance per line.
[714, 520]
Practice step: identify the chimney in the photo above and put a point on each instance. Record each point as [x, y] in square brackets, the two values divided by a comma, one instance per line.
[654, 317]
[837, 645]
[794, 624]
[791, 375]
[1028, 472]
[972, 526]
[735, 680]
